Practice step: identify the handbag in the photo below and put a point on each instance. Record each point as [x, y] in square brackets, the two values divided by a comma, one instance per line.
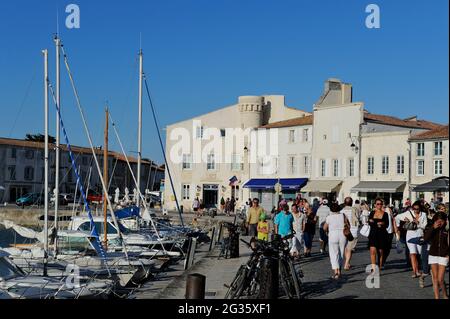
[410, 225]
[347, 232]
[365, 230]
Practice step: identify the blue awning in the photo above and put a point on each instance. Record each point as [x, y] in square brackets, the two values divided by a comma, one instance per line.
[269, 183]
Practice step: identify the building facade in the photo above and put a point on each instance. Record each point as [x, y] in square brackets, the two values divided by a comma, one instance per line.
[22, 169]
[198, 171]
[291, 161]
[338, 150]
[429, 161]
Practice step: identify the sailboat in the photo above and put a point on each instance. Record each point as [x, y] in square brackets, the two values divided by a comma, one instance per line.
[17, 284]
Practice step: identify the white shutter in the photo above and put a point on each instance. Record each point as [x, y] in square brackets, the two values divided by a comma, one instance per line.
[344, 167]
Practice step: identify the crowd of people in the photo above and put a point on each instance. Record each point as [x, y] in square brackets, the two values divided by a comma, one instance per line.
[419, 228]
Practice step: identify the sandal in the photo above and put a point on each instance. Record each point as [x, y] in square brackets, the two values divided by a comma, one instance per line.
[422, 282]
[414, 276]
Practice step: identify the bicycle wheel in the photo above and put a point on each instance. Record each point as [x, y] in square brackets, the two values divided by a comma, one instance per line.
[268, 280]
[238, 284]
[286, 279]
[296, 281]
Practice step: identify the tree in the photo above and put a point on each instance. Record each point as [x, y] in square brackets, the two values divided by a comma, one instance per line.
[39, 138]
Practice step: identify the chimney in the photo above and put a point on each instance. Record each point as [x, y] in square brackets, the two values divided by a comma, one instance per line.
[411, 119]
[335, 93]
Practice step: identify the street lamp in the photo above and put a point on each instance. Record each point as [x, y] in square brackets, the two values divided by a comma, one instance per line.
[354, 146]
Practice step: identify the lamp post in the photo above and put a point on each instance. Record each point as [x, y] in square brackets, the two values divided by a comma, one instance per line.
[246, 150]
[354, 146]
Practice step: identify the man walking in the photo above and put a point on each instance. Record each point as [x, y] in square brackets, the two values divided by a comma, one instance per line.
[253, 218]
[284, 222]
[352, 214]
[322, 213]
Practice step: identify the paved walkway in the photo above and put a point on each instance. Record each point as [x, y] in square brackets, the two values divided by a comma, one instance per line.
[395, 280]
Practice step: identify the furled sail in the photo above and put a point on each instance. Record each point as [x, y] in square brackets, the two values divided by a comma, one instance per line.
[24, 231]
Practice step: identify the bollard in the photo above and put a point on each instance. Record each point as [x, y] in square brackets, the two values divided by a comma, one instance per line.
[234, 245]
[195, 286]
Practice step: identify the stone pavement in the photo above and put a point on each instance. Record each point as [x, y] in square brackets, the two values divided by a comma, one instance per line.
[395, 279]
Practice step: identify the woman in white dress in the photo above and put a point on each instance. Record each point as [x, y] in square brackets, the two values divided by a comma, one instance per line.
[298, 226]
[334, 225]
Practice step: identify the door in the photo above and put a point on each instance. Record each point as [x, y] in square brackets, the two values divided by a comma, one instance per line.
[210, 195]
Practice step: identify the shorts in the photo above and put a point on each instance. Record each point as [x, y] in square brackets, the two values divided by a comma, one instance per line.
[443, 261]
[352, 244]
[413, 245]
[253, 230]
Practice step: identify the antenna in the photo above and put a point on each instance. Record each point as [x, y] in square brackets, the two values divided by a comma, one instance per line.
[140, 41]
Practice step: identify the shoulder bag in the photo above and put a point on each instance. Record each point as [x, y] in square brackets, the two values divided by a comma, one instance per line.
[347, 232]
[410, 225]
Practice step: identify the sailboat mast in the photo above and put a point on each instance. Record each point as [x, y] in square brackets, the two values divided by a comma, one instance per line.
[141, 68]
[105, 178]
[45, 53]
[57, 157]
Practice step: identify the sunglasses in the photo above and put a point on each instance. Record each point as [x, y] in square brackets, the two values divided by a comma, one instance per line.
[378, 204]
[416, 208]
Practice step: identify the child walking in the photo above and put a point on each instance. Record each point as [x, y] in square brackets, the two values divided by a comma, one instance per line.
[263, 228]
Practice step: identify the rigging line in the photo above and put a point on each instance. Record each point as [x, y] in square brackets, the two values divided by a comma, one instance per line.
[154, 177]
[94, 232]
[75, 196]
[134, 178]
[27, 93]
[162, 148]
[149, 175]
[77, 97]
[88, 185]
[112, 174]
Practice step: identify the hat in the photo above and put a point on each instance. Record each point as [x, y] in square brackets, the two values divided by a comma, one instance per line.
[262, 217]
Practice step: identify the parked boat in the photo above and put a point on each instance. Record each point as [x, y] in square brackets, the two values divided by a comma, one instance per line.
[15, 283]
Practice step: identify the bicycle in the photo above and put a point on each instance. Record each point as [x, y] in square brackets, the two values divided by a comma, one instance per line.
[290, 271]
[256, 277]
[227, 242]
[245, 283]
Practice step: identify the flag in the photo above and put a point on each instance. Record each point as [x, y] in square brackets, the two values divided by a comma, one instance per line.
[233, 181]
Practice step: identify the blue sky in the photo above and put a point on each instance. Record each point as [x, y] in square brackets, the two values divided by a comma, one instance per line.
[201, 55]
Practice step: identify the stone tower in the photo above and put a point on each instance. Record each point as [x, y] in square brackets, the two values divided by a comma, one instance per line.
[251, 111]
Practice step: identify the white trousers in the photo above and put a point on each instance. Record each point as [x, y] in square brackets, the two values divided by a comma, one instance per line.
[297, 243]
[336, 244]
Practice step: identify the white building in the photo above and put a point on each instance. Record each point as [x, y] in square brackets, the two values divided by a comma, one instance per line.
[204, 172]
[291, 164]
[339, 150]
[337, 124]
[429, 160]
